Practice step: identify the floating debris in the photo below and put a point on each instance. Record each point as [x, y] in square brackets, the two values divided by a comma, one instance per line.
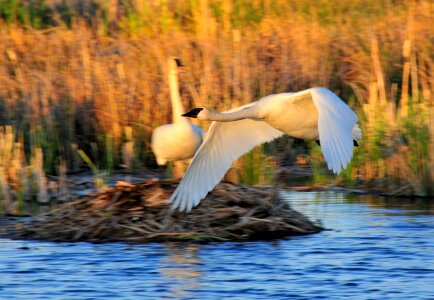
[139, 213]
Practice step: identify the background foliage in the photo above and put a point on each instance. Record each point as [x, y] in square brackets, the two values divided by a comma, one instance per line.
[91, 75]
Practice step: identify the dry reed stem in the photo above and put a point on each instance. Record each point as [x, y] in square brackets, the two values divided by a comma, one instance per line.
[82, 86]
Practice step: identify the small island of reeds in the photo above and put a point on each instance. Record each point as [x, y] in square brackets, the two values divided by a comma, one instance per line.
[140, 213]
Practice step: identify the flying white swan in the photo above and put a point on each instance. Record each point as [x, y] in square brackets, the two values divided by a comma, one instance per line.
[180, 140]
[314, 114]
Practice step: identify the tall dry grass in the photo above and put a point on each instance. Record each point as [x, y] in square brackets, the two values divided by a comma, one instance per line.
[91, 75]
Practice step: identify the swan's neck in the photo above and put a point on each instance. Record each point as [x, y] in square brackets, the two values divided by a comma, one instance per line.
[249, 112]
[177, 109]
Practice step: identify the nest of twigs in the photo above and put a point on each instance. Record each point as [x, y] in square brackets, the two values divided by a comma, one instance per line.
[139, 213]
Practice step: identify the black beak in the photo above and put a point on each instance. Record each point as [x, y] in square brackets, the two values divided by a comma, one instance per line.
[179, 63]
[193, 113]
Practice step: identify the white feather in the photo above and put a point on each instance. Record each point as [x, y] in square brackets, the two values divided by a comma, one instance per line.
[335, 124]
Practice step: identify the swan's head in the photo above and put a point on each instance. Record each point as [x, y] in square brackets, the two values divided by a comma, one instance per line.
[201, 113]
[176, 65]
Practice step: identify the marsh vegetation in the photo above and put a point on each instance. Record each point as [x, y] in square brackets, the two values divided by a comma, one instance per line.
[83, 83]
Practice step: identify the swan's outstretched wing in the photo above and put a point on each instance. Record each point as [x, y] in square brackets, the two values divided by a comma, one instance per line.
[224, 142]
[335, 123]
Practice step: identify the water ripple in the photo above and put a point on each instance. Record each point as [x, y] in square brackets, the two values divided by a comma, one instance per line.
[372, 251]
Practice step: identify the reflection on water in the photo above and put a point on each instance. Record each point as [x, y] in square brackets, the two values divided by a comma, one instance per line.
[181, 269]
[418, 205]
[377, 248]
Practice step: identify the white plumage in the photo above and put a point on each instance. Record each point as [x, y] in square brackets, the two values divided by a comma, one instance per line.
[181, 139]
[313, 114]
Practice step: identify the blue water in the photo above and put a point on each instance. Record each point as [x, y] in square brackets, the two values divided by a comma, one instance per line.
[376, 249]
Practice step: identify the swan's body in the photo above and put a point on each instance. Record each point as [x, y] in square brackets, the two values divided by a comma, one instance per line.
[313, 114]
[177, 141]
[181, 139]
